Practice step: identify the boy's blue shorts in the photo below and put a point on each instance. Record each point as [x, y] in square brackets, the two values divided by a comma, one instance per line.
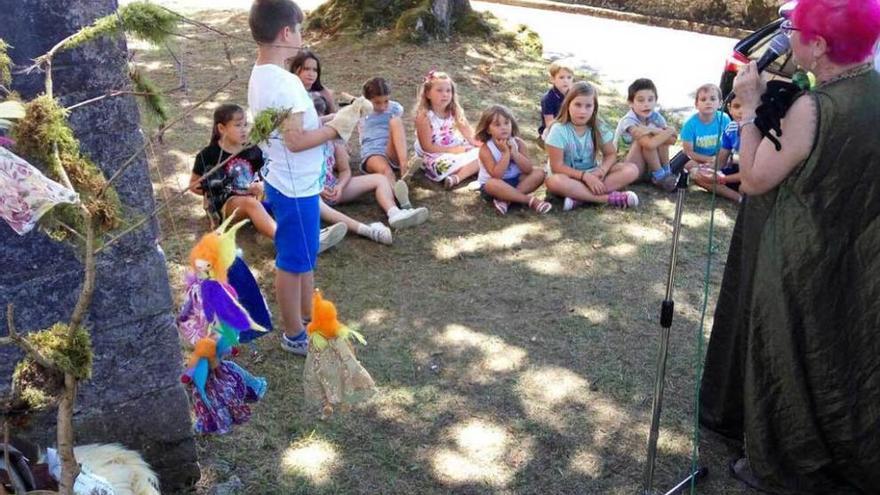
[297, 234]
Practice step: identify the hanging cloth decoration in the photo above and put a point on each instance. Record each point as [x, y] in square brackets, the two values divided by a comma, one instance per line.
[26, 194]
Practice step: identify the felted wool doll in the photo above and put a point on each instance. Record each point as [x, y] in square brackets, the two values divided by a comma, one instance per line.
[333, 377]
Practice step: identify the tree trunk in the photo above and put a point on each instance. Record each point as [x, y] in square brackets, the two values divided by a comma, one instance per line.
[69, 466]
[413, 20]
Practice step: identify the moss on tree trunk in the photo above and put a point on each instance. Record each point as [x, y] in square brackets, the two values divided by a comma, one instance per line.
[413, 20]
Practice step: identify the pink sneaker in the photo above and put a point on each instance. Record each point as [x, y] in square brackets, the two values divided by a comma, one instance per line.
[623, 199]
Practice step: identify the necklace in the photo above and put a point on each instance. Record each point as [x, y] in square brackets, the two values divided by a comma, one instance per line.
[849, 74]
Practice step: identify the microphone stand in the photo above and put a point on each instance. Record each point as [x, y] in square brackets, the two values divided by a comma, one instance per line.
[666, 312]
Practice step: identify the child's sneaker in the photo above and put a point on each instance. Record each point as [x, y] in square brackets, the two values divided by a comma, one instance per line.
[401, 194]
[380, 233]
[331, 236]
[298, 345]
[623, 199]
[569, 204]
[407, 218]
[501, 206]
[666, 181]
[542, 207]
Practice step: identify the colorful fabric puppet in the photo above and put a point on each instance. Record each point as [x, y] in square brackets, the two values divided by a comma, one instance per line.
[220, 389]
[221, 287]
[333, 376]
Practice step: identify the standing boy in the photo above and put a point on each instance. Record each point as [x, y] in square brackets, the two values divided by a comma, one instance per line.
[294, 157]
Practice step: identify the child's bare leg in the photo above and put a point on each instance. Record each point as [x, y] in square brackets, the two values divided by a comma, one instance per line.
[307, 288]
[663, 152]
[563, 185]
[652, 158]
[377, 164]
[503, 191]
[707, 182]
[635, 156]
[531, 181]
[397, 144]
[331, 215]
[289, 294]
[468, 170]
[249, 207]
[362, 184]
[621, 175]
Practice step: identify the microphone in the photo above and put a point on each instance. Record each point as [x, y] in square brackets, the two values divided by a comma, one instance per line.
[778, 45]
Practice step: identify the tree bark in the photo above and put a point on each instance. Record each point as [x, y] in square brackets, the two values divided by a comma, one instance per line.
[69, 466]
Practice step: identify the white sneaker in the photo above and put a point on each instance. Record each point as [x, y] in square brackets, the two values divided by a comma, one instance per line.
[408, 218]
[401, 194]
[380, 233]
[332, 236]
[569, 204]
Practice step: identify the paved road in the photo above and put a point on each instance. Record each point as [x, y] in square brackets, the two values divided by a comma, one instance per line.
[617, 52]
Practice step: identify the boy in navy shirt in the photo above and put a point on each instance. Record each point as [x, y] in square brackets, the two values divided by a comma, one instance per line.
[561, 75]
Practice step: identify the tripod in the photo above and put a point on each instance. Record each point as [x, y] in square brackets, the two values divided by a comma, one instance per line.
[666, 311]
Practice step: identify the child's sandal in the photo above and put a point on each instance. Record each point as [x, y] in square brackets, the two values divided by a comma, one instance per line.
[541, 207]
[451, 181]
[501, 206]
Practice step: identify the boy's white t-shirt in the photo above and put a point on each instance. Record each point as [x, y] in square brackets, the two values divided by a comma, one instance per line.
[295, 174]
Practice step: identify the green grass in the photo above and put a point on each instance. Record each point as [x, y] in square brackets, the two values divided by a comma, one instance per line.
[513, 354]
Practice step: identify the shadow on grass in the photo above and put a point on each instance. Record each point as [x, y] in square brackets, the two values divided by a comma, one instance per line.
[513, 354]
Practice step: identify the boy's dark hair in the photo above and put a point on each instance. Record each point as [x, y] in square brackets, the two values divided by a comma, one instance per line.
[223, 114]
[320, 104]
[300, 60]
[376, 86]
[269, 17]
[639, 85]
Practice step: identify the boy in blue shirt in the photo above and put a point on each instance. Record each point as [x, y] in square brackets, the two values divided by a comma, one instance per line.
[726, 182]
[561, 76]
[699, 135]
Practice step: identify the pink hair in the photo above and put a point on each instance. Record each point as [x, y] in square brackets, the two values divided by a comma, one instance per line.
[850, 27]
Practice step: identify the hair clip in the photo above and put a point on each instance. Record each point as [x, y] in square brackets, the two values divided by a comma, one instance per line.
[430, 75]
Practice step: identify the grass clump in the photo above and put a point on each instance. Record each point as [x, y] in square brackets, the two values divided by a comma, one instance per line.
[5, 64]
[142, 20]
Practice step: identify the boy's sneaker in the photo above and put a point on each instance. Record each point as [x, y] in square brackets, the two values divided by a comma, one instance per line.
[401, 194]
[667, 182]
[623, 199]
[569, 204]
[332, 236]
[402, 219]
[380, 233]
[298, 345]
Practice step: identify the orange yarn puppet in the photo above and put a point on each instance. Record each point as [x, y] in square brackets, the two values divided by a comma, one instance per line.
[333, 376]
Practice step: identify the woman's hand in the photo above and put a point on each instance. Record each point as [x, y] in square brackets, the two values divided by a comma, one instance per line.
[256, 189]
[593, 183]
[749, 87]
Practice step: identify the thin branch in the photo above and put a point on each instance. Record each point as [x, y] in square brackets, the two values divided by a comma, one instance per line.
[88, 288]
[162, 206]
[6, 453]
[70, 229]
[111, 94]
[24, 343]
[202, 25]
[180, 72]
[160, 132]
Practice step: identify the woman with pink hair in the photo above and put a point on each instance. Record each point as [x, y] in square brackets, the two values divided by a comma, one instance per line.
[804, 330]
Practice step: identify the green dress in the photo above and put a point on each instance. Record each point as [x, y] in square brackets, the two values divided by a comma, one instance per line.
[811, 389]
